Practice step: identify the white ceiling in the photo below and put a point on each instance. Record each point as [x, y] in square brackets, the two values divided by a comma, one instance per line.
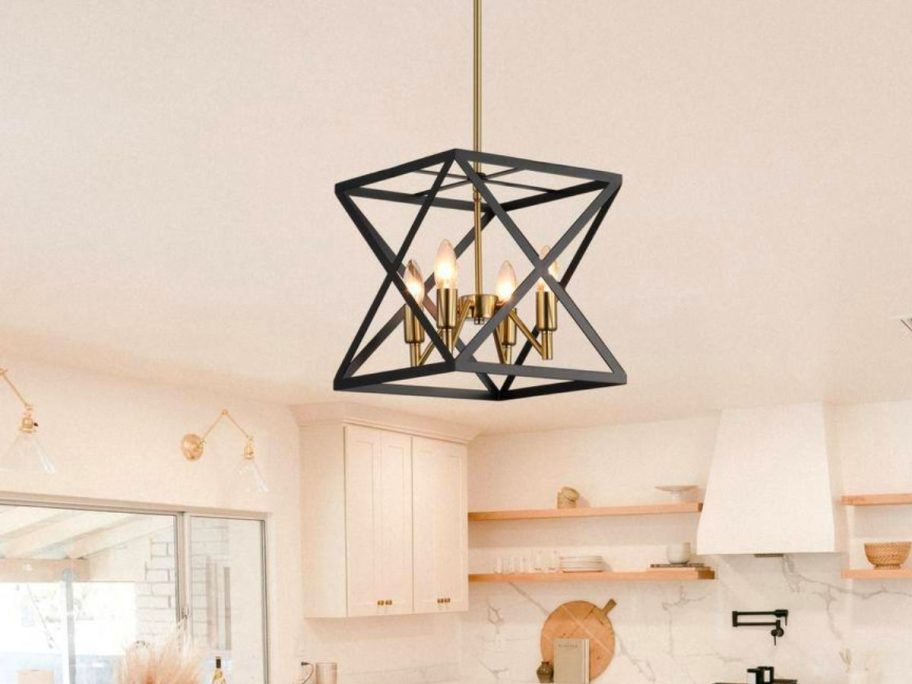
[166, 174]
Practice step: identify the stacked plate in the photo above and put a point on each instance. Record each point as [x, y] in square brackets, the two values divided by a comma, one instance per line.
[582, 564]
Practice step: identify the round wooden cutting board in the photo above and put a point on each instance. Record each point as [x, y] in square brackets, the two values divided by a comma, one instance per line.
[581, 620]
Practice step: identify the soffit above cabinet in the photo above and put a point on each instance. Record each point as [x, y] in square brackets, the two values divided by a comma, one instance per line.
[386, 419]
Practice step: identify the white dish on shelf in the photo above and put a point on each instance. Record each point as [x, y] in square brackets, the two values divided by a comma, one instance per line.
[677, 491]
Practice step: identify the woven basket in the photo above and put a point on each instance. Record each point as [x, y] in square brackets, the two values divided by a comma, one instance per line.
[888, 554]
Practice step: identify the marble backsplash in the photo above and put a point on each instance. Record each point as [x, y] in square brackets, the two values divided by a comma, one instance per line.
[681, 632]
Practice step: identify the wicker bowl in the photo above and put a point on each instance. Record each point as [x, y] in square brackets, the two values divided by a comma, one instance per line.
[888, 554]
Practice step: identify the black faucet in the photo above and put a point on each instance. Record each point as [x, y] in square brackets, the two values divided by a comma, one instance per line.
[778, 616]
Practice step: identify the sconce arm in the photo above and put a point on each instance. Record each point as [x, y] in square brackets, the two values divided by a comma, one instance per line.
[5, 375]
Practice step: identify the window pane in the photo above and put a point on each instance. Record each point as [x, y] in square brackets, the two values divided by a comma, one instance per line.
[226, 596]
[77, 587]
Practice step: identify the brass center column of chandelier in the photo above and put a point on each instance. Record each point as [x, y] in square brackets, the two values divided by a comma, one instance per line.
[476, 141]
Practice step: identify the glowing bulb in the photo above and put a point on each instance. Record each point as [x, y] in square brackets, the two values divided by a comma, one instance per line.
[506, 281]
[446, 270]
[414, 281]
[554, 269]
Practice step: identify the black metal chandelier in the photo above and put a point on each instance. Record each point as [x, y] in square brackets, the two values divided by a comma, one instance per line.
[442, 322]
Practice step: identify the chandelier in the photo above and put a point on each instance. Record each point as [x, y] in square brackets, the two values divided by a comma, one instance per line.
[433, 330]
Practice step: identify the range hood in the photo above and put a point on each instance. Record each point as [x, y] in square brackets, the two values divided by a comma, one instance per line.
[773, 484]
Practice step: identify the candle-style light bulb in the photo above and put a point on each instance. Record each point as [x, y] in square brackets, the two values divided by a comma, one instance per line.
[414, 281]
[506, 282]
[554, 269]
[446, 270]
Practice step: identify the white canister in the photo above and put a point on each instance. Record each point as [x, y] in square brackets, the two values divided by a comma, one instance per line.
[327, 673]
[678, 554]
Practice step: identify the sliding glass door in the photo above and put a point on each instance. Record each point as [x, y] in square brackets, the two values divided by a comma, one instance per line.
[227, 597]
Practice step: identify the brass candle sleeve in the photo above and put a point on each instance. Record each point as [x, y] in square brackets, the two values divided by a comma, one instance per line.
[506, 338]
[414, 334]
[447, 315]
[546, 321]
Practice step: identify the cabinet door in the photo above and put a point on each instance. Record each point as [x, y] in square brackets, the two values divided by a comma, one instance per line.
[362, 473]
[440, 526]
[378, 524]
[395, 525]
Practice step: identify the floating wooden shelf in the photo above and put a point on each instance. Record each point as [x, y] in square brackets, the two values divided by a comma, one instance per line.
[877, 499]
[874, 574]
[602, 511]
[654, 575]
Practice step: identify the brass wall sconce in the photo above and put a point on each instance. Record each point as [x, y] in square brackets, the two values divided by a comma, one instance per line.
[26, 452]
[193, 446]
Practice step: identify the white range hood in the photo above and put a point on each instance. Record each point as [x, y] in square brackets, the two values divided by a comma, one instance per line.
[773, 484]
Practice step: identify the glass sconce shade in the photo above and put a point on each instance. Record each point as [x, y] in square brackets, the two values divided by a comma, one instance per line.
[26, 454]
[250, 477]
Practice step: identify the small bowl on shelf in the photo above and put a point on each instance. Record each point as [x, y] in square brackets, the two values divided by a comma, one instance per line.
[887, 555]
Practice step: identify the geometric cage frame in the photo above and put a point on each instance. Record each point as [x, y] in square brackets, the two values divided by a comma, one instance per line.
[582, 181]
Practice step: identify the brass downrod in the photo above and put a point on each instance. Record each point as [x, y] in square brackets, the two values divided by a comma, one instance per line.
[476, 141]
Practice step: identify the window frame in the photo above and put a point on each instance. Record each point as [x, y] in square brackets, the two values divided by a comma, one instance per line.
[182, 515]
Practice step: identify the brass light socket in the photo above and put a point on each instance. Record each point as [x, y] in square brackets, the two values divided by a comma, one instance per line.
[447, 314]
[28, 424]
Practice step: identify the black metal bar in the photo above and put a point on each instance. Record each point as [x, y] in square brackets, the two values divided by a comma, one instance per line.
[406, 198]
[427, 391]
[520, 186]
[396, 375]
[543, 167]
[466, 181]
[398, 170]
[535, 200]
[553, 388]
[547, 372]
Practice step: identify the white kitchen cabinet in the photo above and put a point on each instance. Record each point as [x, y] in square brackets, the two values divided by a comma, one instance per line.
[385, 522]
[378, 508]
[440, 526]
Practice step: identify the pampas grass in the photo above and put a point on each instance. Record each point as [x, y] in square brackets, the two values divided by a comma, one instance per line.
[173, 660]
